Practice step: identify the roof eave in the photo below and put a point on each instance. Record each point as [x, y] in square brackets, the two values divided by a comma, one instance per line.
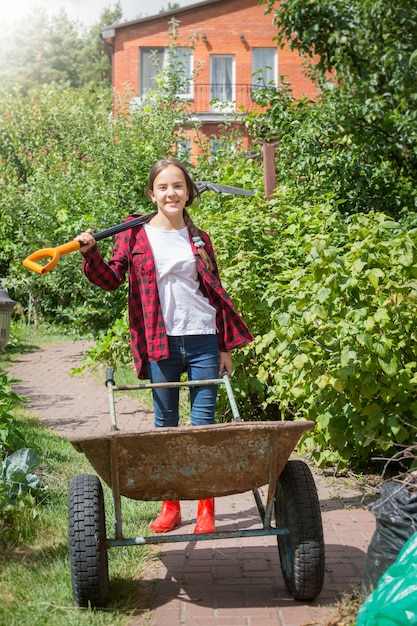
[114, 27]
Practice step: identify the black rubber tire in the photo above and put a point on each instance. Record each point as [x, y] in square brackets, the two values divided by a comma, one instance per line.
[87, 541]
[301, 552]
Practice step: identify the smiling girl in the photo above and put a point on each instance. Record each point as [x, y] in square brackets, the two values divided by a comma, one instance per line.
[181, 318]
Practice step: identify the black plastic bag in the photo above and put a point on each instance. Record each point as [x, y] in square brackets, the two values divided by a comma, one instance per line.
[396, 522]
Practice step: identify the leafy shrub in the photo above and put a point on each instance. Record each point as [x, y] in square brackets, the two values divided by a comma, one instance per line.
[9, 400]
[332, 302]
[329, 294]
[341, 349]
[77, 167]
[19, 486]
[18, 478]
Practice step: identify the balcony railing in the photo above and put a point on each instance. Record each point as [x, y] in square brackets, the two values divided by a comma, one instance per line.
[220, 98]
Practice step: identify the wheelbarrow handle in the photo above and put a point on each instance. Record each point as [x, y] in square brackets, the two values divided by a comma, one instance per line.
[54, 254]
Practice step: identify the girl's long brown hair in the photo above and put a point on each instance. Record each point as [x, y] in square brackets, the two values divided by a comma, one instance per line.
[193, 193]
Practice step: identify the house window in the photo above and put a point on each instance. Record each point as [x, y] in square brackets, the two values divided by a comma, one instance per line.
[222, 84]
[154, 60]
[151, 64]
[264, 67]
[220, 145]
[184, 150]
[181, 60]
[215, 145]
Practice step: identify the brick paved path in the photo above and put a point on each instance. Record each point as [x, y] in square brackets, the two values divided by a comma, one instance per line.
[230, 582]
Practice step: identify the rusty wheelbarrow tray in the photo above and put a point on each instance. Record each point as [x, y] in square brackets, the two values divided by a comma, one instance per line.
[204, 462]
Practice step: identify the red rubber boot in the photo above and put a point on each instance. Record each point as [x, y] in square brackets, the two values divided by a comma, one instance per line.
[169, 517]
[205, 517]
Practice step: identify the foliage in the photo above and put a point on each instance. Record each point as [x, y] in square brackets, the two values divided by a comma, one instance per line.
[9, 400]
[332, 303]
[17, 474]
[360, 138]
[41, 49]
[112, 346]
[341, 349]
[19, 486]
[76, 168]
[170, 7]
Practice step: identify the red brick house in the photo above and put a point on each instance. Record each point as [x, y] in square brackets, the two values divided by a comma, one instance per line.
[231, 42]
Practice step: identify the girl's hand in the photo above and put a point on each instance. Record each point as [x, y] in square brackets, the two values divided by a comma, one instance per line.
[225, 363]
[86, 240]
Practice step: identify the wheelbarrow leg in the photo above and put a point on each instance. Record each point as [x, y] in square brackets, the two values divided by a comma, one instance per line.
[115, 487]
[265, 513]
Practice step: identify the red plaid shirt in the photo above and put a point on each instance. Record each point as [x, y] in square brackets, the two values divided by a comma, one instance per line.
[148, 338]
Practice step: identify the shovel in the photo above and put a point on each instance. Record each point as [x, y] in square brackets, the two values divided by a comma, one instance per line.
[54, 254]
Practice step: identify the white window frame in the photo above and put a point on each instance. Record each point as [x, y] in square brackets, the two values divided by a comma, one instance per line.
[189, 94]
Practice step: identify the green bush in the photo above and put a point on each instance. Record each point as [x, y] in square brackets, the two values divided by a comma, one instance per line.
[20, 487]
[9, 400]
[341, 349]
[322, 274]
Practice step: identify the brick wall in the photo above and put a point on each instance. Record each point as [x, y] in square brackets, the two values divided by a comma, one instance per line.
[222, 22]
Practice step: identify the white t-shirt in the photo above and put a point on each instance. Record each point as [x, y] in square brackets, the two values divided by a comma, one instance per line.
[186, 311]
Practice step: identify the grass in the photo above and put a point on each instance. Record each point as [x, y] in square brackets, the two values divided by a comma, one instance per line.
[35, 584]
[347, 608]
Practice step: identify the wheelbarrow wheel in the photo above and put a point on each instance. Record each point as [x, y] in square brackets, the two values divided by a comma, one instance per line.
[87, 541]
[301, 551]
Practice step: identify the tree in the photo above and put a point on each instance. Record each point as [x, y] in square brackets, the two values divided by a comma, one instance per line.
[95, 66]
[43, 50]
[341, 290]
[363, 55]
[171, 7]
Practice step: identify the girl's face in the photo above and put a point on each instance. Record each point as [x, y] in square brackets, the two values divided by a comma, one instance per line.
[170, 192]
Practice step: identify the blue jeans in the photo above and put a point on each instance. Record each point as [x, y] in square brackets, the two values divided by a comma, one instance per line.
[198, 355]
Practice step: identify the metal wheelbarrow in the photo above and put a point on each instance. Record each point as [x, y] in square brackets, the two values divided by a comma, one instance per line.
[204, 462]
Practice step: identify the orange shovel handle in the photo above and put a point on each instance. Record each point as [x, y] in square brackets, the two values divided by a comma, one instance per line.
[54, 254]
